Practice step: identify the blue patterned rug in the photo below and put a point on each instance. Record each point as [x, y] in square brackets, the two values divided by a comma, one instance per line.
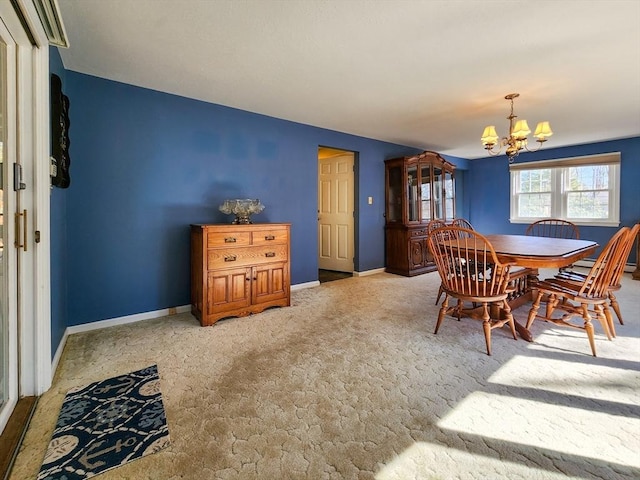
[107, 424]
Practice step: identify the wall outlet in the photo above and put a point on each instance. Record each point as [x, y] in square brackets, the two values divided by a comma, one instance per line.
[370, 200]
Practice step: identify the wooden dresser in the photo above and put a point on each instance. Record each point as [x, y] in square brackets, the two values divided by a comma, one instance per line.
[237, 270]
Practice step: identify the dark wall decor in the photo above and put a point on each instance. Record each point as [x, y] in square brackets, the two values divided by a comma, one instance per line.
[59, 135]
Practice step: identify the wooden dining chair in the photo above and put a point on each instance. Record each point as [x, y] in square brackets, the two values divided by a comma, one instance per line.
[462, 222]
[616, 282]
[554, 228]
[431, 226]
[459, 254]
[580, 298]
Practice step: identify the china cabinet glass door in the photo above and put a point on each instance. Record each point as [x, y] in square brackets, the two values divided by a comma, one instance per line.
[438, 209]
[394, 194]
[449, 195]
[412, 192]
[425, 178]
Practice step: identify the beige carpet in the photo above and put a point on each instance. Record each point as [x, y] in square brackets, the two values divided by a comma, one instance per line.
[351, 383]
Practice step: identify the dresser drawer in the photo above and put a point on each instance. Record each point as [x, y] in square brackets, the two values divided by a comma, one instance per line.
[228, 239]
[237, 257]
[270, 237]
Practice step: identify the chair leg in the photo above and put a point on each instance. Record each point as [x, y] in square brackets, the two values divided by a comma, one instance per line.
[608, 318]
[443, 308]
[534, 309]
[616, 308]
[507, 313]
[440, 292]
[588, 327]
[486, 326]
[605, 319]
[552, 303]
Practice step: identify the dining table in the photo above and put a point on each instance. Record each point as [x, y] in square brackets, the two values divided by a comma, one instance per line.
[531, 253]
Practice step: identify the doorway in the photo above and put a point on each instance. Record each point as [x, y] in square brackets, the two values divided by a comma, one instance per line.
[336, 213]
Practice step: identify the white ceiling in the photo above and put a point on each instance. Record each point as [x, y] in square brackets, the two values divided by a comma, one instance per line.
[424, 73]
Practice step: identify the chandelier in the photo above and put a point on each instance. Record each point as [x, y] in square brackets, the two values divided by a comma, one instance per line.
[517, 139]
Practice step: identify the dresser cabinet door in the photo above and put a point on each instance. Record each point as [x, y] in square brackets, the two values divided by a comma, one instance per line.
[228, 289]
[270, 282]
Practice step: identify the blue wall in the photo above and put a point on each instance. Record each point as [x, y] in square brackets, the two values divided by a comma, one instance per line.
[147, 164]
[489, 180]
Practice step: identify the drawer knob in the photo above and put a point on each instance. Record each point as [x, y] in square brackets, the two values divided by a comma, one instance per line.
[269, 237]
[270, 254]
[230, 240]
[230, 258]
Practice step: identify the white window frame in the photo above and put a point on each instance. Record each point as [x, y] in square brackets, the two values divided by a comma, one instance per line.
[559, 195]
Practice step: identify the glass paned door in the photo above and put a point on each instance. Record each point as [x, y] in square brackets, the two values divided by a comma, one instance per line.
[425, 177]
[8, 258]
[3, 328]
[412, 192]
[394, 194]
[438, 201]
[4, 317]
[25, 339]
[449, 196]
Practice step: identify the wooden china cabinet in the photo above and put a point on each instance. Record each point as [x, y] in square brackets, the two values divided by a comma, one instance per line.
[418, 189]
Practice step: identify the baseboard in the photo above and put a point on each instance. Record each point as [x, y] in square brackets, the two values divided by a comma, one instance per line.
[58, 355]
[316, 283]
[629, 267]
[112, 322]
[302, 286]
[366, 273]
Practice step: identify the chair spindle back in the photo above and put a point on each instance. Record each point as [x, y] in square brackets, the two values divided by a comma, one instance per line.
[604, 270]
[462, 257]
[554, 228]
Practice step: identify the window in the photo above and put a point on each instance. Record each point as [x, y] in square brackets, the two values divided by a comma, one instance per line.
[583, 190]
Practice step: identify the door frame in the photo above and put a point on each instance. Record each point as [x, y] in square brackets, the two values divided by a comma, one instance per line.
[353, 190]
[32, 105]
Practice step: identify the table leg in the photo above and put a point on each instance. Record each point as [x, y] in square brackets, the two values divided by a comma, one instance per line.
[523, 332]
[497, 312]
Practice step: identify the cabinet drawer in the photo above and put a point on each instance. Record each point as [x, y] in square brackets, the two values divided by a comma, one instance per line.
[235, 257]
[270, 237]
[228, 239]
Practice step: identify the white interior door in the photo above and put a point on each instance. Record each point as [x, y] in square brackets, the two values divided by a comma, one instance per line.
[336, 212]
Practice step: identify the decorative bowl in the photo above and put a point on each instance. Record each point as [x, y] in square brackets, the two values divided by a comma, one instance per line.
[242, 208]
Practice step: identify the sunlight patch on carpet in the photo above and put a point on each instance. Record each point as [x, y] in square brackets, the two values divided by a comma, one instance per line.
[566, 377]
[546, 425]
[430, 461]
[107, 424]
